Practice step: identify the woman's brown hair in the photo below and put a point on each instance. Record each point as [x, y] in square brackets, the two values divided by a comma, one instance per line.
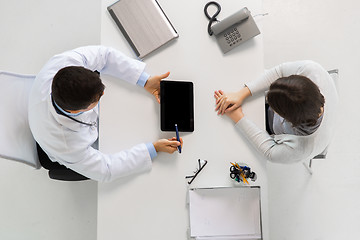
[297, 99]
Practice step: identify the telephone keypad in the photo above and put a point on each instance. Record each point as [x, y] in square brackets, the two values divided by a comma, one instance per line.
[232, 37]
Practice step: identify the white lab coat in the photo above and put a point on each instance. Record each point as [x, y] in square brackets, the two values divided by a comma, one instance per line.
[68, 142]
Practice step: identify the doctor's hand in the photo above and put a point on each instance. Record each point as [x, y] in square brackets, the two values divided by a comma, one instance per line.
[167, 145]
[230, 101]
[152, 85]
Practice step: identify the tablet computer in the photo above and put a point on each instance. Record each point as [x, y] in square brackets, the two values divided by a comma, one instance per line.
[177, 105]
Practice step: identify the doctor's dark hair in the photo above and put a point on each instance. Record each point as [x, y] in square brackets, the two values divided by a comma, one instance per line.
[297, 99]
[75, 88]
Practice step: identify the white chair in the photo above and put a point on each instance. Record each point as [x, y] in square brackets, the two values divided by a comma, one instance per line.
[16, 140]
[335, 76]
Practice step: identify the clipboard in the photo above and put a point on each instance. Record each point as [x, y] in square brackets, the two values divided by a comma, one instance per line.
[225, 213]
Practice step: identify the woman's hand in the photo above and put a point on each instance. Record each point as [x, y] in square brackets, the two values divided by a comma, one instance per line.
[235, 114]
[230, 101]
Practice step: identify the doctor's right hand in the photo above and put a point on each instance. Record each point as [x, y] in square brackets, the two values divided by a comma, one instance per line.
[167, 145]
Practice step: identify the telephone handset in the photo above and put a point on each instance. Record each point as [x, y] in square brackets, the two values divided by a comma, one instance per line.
[233, 30]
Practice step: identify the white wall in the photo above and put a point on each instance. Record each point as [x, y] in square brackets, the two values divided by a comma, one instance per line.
[325, 205]
[32, 206]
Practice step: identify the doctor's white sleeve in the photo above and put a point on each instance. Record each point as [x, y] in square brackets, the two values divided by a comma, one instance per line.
[107, 167]
[105, 60]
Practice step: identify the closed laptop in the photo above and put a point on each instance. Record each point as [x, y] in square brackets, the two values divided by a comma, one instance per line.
[143, 23]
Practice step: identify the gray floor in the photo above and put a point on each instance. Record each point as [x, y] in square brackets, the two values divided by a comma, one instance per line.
[321, 206]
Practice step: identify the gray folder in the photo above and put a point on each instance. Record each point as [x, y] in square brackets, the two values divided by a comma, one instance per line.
[143, 23]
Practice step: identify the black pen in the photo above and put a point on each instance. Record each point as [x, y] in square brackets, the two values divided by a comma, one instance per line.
[178, 137]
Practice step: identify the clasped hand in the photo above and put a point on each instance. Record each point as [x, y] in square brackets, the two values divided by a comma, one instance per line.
[230, 104]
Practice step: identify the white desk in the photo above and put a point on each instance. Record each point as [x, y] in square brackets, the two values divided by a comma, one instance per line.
[152, 205]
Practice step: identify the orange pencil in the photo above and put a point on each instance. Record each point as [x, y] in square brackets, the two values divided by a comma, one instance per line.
[244, 179]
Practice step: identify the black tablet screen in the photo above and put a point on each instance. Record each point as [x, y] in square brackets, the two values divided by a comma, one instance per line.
[177, 105]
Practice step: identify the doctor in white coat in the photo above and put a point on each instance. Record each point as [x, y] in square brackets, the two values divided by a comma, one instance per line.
[66, 132]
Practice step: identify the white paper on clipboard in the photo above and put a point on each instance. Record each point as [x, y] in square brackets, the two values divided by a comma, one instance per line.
[225, 213]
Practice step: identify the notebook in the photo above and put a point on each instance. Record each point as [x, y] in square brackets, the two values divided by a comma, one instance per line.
[143, 23]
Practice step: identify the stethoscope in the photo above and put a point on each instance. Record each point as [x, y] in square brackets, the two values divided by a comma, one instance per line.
[92, 124]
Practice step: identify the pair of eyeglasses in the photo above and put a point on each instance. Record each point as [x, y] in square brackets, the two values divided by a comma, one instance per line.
[202, 164]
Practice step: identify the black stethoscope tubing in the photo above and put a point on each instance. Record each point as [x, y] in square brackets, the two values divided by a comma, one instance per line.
[63, 114]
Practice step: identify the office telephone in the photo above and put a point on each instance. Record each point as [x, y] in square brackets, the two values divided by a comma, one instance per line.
[233, 30]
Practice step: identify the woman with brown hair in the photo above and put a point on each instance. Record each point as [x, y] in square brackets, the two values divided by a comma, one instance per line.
[302, 101]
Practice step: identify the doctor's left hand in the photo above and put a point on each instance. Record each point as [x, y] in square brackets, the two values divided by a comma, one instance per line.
[167, 145]
[152, 85]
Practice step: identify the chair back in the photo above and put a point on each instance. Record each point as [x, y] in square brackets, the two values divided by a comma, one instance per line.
[16, 141]
[335, 77]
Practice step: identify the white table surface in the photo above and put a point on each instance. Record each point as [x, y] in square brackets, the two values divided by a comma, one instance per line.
[152, 205]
